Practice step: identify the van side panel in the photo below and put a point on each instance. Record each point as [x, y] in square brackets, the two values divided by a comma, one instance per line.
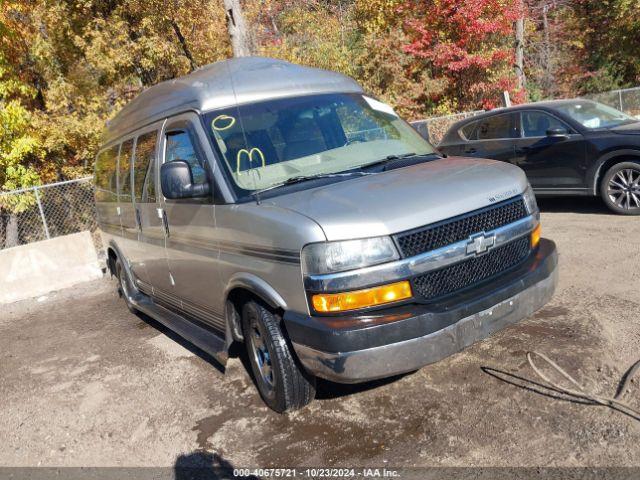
[265, 241]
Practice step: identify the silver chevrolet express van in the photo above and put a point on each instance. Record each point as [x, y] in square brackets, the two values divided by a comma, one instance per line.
[280, 206]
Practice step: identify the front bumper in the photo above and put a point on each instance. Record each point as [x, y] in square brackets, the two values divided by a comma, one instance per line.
[409, 337]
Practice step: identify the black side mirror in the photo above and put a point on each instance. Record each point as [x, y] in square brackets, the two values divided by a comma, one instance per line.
[176, 180]
[557, 133]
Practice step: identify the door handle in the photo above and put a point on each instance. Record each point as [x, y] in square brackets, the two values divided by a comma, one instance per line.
[470, 150]
[523, 150]
[165, 223]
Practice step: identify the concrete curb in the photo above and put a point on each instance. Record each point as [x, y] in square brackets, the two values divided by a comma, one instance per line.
[41, 267]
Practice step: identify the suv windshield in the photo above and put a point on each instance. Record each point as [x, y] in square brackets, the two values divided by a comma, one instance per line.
[267, 143]
[595, 115]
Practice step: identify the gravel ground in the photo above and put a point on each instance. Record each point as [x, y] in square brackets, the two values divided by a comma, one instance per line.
[85, 382]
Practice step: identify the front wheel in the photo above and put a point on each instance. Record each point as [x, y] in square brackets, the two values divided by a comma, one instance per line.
[282, 382]
[620, 188]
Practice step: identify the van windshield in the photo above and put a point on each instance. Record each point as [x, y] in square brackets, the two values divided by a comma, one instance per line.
[267, 143]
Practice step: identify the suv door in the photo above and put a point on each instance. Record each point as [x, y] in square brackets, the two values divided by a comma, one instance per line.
[190, 225]
[550, 162]
[492, 137]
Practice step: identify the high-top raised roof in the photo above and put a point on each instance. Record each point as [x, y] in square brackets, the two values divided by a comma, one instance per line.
[225, 83]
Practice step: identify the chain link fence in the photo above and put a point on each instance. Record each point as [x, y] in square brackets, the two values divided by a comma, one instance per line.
[48, 211]
[434, 128]
[626, 100]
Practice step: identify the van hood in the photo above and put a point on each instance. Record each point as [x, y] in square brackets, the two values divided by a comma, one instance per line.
[405, 198]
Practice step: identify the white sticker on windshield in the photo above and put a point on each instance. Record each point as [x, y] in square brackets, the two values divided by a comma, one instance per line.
[381, 107]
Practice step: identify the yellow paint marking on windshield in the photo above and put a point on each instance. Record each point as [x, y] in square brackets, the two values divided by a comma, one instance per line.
[250, 156]
[223, 118]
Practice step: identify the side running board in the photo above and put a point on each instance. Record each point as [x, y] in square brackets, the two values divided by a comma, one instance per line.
[204, 339]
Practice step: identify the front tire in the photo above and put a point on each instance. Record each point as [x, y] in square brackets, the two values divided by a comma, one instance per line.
[281, 381]
[620, 188]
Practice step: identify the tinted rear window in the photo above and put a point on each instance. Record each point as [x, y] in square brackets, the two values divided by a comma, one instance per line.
[106, 179]
[469, 131]
[145, 155]
[125, 170]
[497, 126]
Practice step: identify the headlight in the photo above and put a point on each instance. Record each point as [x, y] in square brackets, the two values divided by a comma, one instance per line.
[530, 200]
[330, 257]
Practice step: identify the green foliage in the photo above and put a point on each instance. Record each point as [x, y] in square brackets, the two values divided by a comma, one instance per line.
[83, 60]
[310, 33]
[612, 38]
[588, 46]
[20, 150]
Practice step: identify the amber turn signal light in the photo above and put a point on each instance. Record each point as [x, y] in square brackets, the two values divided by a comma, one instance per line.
[535, 236]
[369, 297]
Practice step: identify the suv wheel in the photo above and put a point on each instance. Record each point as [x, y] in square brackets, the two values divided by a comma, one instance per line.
[282, 382]
[123, 285]
[620, 188]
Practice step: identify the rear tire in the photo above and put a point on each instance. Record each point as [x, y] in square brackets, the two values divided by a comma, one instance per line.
[124, 289]
[620, 188]
[282, 382]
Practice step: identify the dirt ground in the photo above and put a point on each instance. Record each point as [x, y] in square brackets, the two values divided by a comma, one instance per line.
[83, 382]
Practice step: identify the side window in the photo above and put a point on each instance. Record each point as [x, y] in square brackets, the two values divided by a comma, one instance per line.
[149, 189]
[102, 177]
[144, 168]
[470, 131]
[125, 170]
[536, 124]
[498, 126]
[113, 178]
[180, 146]
[106, 175]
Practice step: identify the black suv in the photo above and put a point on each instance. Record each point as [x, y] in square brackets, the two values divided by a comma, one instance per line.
[566, 147]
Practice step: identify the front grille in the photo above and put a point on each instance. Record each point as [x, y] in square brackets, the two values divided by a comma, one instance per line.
[469, 272]
[456, 229]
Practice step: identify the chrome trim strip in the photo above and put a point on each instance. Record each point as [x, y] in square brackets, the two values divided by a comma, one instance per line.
[416, 265]
[173, 302]
[212, 248]
[284, 256]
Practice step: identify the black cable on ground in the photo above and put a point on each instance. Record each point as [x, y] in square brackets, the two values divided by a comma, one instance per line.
[611, 402]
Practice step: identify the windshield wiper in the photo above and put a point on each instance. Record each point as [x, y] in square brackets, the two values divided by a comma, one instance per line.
[391, 158]
[304, 178]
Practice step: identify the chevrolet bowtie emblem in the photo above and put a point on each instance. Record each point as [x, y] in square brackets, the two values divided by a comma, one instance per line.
[480, 243]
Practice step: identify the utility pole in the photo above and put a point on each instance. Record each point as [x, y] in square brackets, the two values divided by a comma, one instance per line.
[548, 78]
[238, 32]
[520, 48]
